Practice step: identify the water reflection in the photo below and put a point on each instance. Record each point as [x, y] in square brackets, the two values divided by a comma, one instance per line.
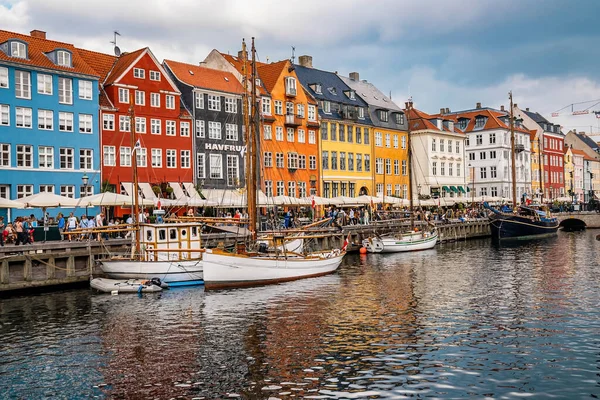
[464, 319]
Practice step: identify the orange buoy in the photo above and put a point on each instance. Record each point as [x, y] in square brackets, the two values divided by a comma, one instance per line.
[363, 250]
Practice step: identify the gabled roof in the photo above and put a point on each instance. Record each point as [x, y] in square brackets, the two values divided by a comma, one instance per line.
[204, 78]
[330, 83]
[587, 140]
[420, 120]
[539, 119]
[102, 64]
[578, 152]
[124, 62]
[493, 120]
[37, 49]
[270, 73]
[371, 95]
[237, 63]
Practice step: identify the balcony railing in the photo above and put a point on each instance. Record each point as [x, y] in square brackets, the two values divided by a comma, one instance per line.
[290, 91]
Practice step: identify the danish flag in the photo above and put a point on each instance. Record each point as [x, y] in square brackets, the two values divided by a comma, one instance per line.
[313, 203]
[346, 242]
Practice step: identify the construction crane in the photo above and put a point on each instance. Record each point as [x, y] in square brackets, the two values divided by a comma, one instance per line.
[575, 111]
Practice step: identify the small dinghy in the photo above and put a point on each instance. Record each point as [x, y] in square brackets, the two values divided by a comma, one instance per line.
[116, 286]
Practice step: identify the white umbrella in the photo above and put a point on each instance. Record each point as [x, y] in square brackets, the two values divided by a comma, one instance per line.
[6, 203]
[322, 201]
[564, 198]
[47, 199]
[112, 199]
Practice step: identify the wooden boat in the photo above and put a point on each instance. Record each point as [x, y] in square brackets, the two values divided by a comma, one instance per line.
[227, 270]
[115, 286]
[409, 241]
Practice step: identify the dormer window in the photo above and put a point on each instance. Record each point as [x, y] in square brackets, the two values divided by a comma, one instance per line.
[318, 88]
[258, 82]
[361, 113]
[63, 58]
[18, 49]
[351, 94]
[479, 122]
[383, 115]
[462, 124]
[290, 86]
[399, 118]
[326, 105]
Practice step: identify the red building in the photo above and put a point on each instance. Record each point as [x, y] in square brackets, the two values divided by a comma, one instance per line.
[162, 126]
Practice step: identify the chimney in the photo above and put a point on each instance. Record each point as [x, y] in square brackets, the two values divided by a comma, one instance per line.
[447, 110]
[527, 109]
[242, 54]
[38, 34]
[354, 76]
[502, 107]
[478, 105]
[442, 111]
[305, 61]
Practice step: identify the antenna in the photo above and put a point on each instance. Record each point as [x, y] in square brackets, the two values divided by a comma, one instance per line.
[117, 50]
[293, 54]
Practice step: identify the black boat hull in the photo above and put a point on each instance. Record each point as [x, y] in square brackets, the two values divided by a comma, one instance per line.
[505, 226]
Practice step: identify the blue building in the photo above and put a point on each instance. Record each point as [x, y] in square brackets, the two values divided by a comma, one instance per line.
[49, 131]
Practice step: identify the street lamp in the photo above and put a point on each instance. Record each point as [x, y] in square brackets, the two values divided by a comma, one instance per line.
[85, 180]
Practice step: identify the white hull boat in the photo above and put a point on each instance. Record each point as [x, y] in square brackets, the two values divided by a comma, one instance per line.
[116, 286]
[174, 273]
[225, 270]
[411, 241]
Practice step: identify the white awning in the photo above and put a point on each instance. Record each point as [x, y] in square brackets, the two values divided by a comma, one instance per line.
[128, 186]
[177, 190]
[147, 191]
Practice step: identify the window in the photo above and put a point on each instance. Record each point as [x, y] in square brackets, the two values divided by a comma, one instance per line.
[171, 128]
[325, 159]
[388, 189]
[301, 136]
[399, 118]
[170, 101]
[124, 123]
[139, 73]
[67, 191]
[378, 139]
[268, 159]
[266, 105]
[333, 132]
[300, 110]
[404, 168]
[457, 147]
[449, 146]
[156, 158]
[289, 108]
[383, 115]
[379, 189]
[334, 160]
[442, 168]
[493, 154]
[290, 135]
[4, 155]
[388, 166]
[342, 133]
[290, 86]
[4, 115]
[45, 157]
[67, 157]
[483, 172]
[18, 50]
[65, 91]
[45, 120]
[231, 132]
[199, 100]
[361, 113]
[387, 140]
[85, 90]
[458, 168]
[184, 129]
[395, 141]
[280, 188]
[185, 158]
[4, 77]
[342, 161]
[155, 127]
[140, 125]
[86, 159]
[350, 161]
[125, 156]
[269, 188]
[65, 122]
[63, 58]
[171, 158]
[471, 156]
[279, 133]
[434, 168]
[312, 113]
[214, 103]
[108, 156]
[482, 155]
[442, 144]
[85, 123]
[200, 129]
[124, 95]
[279, 160]
[154, 76]
[214, 132]
[141, 157]
[312, 162]
[302, 161]
[232, 170]
[450, 169]
[267, 132]
[108, 122]
[23, 117]
[140, 98]
[367, 163]
[278, 107]
[479, 122]
[44, 84]
[379, 165]
[312, 138]
[492, 138]
[23, 85]
[493, 172]
[155, 100]
[24, 191]
[326, 106]
[479, 140]
[216, 166]
[292, 189]
[200, 165]
[467, 141]
[301, 189]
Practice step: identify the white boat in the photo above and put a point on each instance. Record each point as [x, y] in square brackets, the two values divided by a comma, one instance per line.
[115, 286]
[171, 252]
[225, 270]
[409, 241]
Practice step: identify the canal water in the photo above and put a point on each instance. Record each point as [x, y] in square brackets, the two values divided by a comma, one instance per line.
[467, 319]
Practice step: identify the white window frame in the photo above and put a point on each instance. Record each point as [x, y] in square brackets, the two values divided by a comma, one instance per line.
[279, 133]
[63, 58]
[216, 166]
[23, 117]
[44, 84]
[301, 136]
[18, 50]
[45, 120]
[171, 157]
[141, 157]
[184, 129]
[199, 100]
[171, 128]
[231, 105]
[266, 105]
[5, 156]
[108, 156]
[125, 156]
[185, 159]
[123, 95]
[26, 152]
[214, 132]
[85, 89]
[140, 98]
[22, 85]
[312, 113]
[155, 99]
[201, 165]
[108, 122]
[66, 156]
[200, 128]
[67, 191]
[66, 121]
[140, 124]
[65, 90]
[154, 75]
[4, 115]
[124, 123]
[86, 159]
[155, 126]
[214, 102]
[4, 82]
[170, 101]
[231, 132]
[156, 158]
[233, 169]
[24, 191]
[45, 157]
[86, 123]
[267, 132]
[139, 73]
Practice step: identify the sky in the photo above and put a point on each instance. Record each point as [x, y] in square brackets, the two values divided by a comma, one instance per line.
[442, 53]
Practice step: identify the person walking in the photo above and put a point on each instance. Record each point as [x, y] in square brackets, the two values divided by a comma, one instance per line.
[71, 224]
[21, 237]
[2, 226]
[61, 225]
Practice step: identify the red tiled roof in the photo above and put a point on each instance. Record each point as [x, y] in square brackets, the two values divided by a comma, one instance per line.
[122, 64]
[578, 152]
[237, 63]
[421, 120]
[206, 78]
[270, 73]
[37, 47]
[493, 120]
[102, 64]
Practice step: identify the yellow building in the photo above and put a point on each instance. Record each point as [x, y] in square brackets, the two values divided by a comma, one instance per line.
[346, 136]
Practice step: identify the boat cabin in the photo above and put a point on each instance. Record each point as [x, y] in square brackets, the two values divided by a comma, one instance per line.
[171, 241]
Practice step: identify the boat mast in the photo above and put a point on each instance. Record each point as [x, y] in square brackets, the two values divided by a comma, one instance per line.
[409, 107]
[136, 206]
[540, 169]
[252, 153]
[512, 152]
[247, 134]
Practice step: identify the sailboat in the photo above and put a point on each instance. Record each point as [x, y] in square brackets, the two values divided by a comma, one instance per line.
[412, 240]
[525, 222]
[245, 268]
[171, 252]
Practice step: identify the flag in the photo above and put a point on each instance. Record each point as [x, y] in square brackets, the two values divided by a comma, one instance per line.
[346, 242]
[138, 145]
[312, 202]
